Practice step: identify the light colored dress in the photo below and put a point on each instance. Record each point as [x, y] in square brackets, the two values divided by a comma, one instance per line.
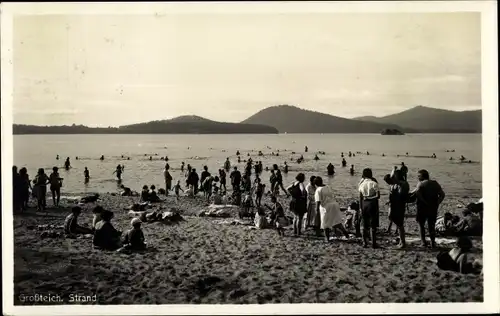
[329, 209]
[311, 207]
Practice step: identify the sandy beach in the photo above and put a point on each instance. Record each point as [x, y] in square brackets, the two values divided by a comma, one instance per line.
[205, 261]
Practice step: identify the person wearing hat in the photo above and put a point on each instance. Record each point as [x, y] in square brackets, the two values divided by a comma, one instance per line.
[134, 238]
[106, 237]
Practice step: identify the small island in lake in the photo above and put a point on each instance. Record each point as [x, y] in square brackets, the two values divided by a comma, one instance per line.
[391, 131]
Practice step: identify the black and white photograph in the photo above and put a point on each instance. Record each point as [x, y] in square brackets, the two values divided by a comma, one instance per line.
[254, 157]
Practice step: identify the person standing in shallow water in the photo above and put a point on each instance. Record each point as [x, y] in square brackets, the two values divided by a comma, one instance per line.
[168, 179]
[41, 181]
[86, 174]
[55, 186]
[298, 205]
[279, 179]
[67, 164]
[227, 165]
[118, 172]
[369, 195]
[429, 196]
[330, 169]
[404, 171]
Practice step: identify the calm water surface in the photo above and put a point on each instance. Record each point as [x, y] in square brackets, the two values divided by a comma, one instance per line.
[35, 151]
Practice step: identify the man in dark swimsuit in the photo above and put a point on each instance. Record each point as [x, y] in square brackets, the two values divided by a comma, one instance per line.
[429, 196]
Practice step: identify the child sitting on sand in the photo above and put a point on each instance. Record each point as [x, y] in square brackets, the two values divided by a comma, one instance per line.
[216, 198]
[177, 188]
[351, 214]
[145, 194]
[106, 237]
[260, 219]
[71, 226]
[456, 258]
[134, 238]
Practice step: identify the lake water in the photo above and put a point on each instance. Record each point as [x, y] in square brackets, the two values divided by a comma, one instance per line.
[460, 180]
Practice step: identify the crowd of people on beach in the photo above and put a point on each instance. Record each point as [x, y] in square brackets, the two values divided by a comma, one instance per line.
[313, 204]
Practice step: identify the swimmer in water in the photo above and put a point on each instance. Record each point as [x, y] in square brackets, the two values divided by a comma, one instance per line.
[285, 170]
[344, 162]
[239, 159]
[367, 153]
[330, 169]
[237, 153]
[383, 155]
[342, 155]
[150, 158]
[306, 149]
[67, 164]
[57, 157]
[76, 158]
[182, 166]
[128, 158]
[462, 158]
[351, 171]
[102, 158]
[350, 154]
[316, 157]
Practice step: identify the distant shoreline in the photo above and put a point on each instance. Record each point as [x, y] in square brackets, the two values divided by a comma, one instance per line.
[339, 133]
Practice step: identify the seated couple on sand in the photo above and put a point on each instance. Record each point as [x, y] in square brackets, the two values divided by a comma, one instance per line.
[149, 195]
[106, 237]
[453, 225]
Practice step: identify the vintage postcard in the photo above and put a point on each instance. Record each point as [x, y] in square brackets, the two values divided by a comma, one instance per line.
[250, 158]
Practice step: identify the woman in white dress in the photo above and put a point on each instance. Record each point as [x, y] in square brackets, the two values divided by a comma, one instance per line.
[328, 208]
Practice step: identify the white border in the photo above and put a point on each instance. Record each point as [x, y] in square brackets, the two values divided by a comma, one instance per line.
[489, 84]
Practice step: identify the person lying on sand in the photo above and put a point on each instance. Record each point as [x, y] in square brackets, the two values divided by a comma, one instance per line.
[90, 198]
[456, 259]
[71, 226]
[106, 237]
[134, 238]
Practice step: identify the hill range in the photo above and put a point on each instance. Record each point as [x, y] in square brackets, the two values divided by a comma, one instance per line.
[288, 119]
[431, 120]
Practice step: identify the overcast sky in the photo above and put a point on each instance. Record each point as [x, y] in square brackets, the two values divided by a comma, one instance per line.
[114, 70]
